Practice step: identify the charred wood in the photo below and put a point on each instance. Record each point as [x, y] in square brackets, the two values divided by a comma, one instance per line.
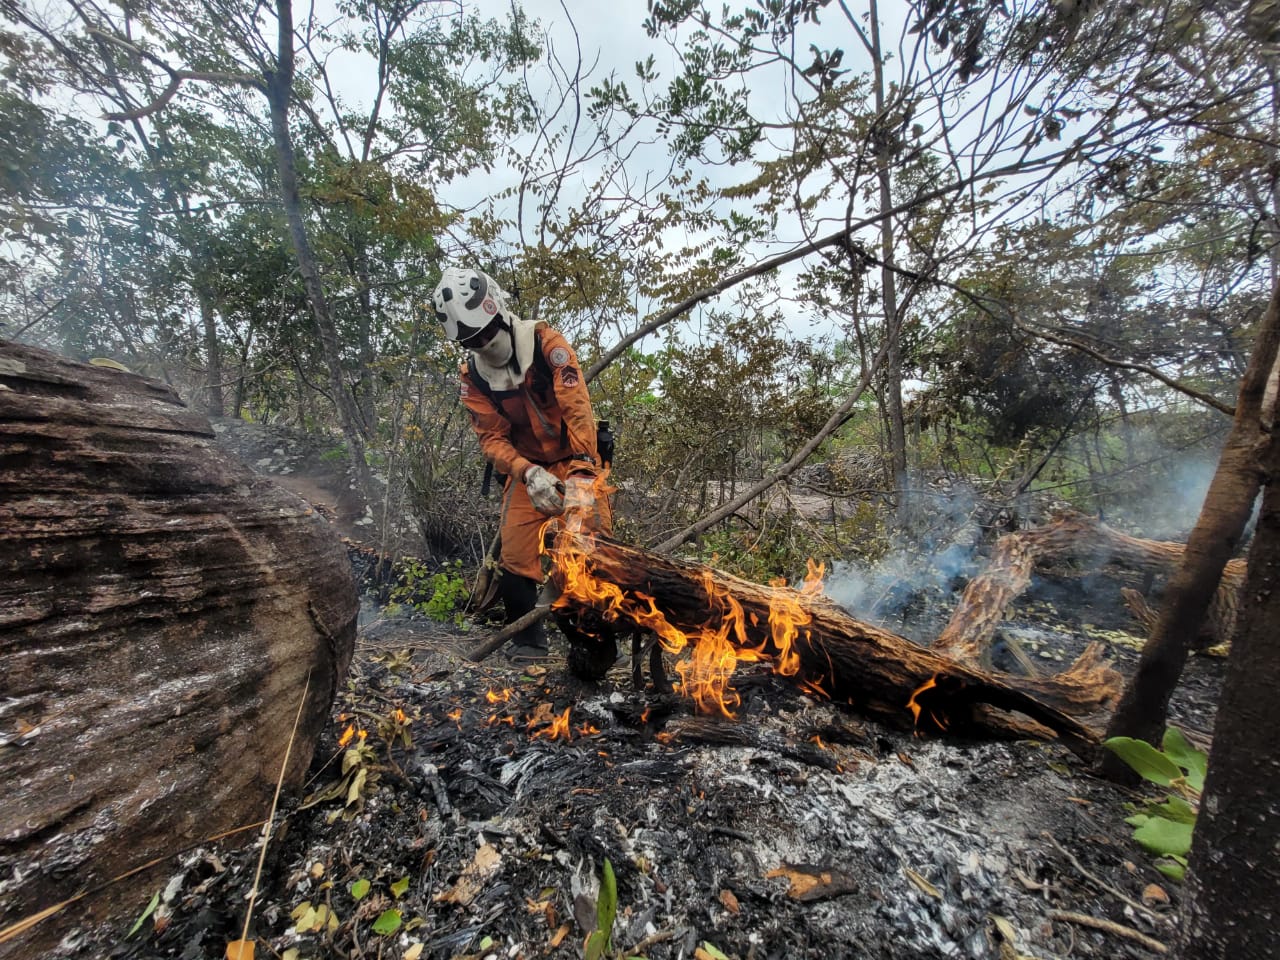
[877, 672]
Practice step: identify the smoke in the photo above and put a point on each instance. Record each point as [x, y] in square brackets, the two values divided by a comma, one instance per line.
[914, 580]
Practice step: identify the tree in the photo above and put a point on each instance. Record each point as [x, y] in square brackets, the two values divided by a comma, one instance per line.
[1234, 870]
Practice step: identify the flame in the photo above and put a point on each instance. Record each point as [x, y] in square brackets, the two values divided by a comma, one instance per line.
[557, 729]
[915, 707]
[347, 734]
[712, 651]
[398, 716]
[456, 716]
[499, 696]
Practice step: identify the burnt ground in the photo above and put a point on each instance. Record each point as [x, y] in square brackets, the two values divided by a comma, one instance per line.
[799, 830]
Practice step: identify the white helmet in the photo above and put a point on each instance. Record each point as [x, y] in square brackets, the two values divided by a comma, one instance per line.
[467, 302]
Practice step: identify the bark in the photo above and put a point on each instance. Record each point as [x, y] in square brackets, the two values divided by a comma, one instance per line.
[876, 671]
[279, 90]
[1144, 707]
[162, 610]
[1231, 910]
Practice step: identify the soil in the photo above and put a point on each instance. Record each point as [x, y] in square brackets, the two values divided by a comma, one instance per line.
[796, 830]
[453, 826]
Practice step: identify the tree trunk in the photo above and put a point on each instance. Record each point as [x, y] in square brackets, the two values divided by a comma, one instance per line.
[885, 676]
[212, 354]
[162, 611]
[1231, 907]
[1144, 707]
[279, 90]
[889, 297]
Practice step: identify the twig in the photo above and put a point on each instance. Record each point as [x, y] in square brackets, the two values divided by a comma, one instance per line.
[649, 941]
[1108, 926]
[1102, 883]
[550, 593]
[266, 830]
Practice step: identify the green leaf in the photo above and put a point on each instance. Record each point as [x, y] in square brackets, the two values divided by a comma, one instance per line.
[595, 946]
[1175, 809]
[151, 908]
[1164, 837]
[607, 903]
[1195, 762]
[399, 887]
[1145, 760]
[359, 888]
[710, 950]
[388, 923]
[1172, 869]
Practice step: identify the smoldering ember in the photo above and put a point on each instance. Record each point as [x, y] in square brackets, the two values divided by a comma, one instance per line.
[763, 775]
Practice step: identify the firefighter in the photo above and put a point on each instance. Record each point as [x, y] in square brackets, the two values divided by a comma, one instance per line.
[525, 392]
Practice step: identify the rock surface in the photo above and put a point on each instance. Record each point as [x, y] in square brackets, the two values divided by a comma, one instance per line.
[164, 614]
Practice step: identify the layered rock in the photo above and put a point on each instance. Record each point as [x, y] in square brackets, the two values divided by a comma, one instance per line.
[163, 614]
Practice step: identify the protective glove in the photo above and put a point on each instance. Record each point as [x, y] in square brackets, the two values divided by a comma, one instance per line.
[545, 492]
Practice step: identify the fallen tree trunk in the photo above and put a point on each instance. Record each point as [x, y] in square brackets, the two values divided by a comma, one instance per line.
[163, 614]
[883, 675]
[1083, 541]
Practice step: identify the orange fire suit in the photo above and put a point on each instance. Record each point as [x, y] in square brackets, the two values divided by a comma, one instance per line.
[547, 421]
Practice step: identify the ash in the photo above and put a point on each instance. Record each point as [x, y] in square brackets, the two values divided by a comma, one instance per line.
[796, 829]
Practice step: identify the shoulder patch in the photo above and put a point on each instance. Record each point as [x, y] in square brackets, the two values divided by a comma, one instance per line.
[466, 389]
[569, 376]
[489, 306]
[559, 356]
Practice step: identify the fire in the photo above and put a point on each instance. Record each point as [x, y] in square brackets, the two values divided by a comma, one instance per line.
[499, 696]
[557, 729]
[915, 708]
[712, 652]
[347, 734]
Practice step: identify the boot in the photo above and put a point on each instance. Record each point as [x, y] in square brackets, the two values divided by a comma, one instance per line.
[519, 596]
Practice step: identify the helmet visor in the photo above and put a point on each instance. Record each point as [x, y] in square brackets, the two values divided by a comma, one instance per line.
[478, 340]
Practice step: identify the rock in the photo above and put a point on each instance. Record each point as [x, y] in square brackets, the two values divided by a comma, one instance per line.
[162, 610]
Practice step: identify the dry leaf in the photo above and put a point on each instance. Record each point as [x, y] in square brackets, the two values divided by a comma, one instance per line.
[469, 885]
[729, 901]
[810, 883]
[557, 938]
[1153, 893]
[240, 950]
[924, 885]
[414, 952]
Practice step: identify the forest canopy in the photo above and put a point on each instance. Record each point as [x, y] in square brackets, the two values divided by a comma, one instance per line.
[1025, 244]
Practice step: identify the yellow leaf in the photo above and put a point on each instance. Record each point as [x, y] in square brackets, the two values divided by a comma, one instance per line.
[414, 952]
[240, 950]
[557, 938]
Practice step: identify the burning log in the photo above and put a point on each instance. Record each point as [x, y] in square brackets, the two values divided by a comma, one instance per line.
[724, 619]
[163, 614]
[1077, 539]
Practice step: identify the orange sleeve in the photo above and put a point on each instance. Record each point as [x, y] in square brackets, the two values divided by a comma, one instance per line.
[492, 429]
[571, 394]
